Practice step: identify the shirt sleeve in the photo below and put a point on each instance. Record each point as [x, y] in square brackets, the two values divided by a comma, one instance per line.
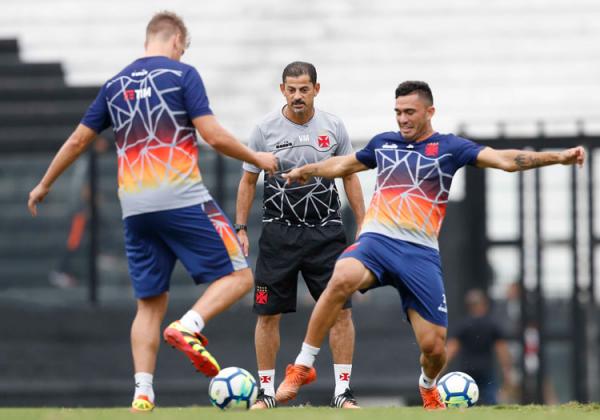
[256, 142]
[466, 151]
[366, 156]
[97, 116]
[344, 143]
[194, 95]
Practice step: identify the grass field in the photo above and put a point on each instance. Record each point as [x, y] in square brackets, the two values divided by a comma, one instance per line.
[567, 411]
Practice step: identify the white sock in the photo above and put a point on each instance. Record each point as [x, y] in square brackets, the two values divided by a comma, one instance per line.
[342, 378]
[266, 379]
[143, 385]
[307, 355]
[426, 382]
[193, 321]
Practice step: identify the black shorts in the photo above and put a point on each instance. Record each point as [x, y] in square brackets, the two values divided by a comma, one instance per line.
[285, 251]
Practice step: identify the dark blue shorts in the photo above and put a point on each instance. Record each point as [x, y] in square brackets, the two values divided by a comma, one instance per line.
[414, 270]
[200, 236]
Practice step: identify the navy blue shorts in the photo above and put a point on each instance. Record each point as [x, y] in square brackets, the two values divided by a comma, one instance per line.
[200, 236]
[414, 270]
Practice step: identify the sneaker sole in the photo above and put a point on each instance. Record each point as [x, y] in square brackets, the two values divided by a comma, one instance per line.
[202, 364]
[136, 411]
[289, 395]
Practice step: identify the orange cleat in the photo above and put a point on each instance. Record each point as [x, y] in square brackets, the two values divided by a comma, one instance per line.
[431, 399]
[192, 345]
[295, 377]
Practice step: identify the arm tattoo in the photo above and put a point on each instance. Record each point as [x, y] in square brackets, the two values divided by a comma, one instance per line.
[523, 161]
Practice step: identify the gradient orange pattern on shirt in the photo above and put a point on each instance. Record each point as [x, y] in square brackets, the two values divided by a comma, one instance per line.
[411, 196]
[151, 163]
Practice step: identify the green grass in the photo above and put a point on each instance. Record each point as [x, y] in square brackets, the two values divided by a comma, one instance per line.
[567, 412]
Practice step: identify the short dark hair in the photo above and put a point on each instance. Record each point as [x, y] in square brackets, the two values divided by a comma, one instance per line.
[298, 68]
[167, 24]
[415, 86]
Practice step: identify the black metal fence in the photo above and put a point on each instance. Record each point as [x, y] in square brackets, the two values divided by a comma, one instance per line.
[535, 332]
[538, 327]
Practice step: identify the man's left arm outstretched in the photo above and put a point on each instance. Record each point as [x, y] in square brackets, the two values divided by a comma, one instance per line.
[512, 160]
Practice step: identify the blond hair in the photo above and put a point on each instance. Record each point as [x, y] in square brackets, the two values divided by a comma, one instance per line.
[165, 24]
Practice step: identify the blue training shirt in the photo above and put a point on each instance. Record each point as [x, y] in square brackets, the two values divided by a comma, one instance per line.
[151, 104]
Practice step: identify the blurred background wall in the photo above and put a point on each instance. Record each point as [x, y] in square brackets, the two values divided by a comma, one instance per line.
[509, 73]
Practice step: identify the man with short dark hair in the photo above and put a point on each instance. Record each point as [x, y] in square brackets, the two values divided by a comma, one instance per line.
[155, 105]
[398, 245]
[302, 225]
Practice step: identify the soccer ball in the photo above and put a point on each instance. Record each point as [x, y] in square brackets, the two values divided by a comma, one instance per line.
[458, 389]
[232, 388]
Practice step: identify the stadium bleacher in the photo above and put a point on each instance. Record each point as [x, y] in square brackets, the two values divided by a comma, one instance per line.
[486, 61]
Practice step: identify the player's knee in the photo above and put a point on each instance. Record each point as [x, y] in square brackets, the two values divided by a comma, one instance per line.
[245, 280]
[342, 283]
[268, 322]
[153, 304]
[433, 345]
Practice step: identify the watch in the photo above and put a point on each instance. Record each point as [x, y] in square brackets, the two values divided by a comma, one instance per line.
[239, 227]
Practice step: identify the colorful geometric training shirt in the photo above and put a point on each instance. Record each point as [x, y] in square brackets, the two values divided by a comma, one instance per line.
[413, 182]
[150, 105]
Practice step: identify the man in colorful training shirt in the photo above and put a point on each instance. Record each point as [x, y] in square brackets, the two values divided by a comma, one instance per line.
[398, 245]
[155, 105]
[302, 226]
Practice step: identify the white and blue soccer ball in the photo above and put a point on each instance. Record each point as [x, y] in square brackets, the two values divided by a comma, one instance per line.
[457, 390]
[233, 388]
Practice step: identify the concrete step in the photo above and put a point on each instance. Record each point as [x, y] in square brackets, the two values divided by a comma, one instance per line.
[9, 46]
[47, 93]
[28, 70]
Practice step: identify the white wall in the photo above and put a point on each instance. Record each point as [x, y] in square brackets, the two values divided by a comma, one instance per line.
[485, 60]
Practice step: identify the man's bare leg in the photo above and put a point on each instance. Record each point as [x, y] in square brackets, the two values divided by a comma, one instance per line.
[341, 342]
[266, 342]
[223, 293]
[431, 339]
[185, 334]
[145, 340]
[349, 276]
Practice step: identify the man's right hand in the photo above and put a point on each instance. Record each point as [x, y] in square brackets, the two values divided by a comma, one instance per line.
[244, 241]
[296, 175]
[573, 156]
[36, 196]
[266, 161]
